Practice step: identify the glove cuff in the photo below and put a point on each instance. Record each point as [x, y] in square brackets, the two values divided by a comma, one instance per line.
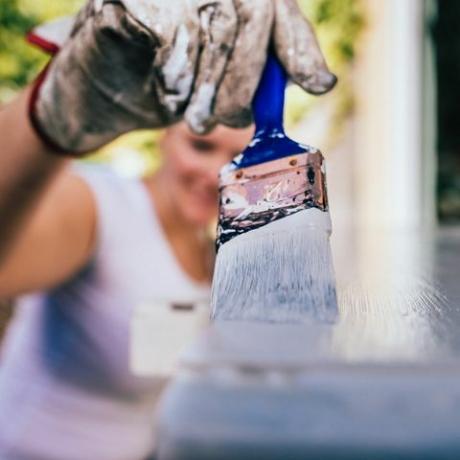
[32, 112]
[52, 48]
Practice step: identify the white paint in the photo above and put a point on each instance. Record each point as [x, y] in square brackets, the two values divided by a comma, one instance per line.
[277, 135]
[177, 73]
[98, 4]
[237, 201]
[151, 12]
[255, 141]
[56, 32]
[200, 110]
[281, 272]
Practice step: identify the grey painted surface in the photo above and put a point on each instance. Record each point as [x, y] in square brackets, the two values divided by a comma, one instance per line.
[381, 383]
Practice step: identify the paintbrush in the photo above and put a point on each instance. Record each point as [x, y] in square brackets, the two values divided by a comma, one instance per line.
[274, 261]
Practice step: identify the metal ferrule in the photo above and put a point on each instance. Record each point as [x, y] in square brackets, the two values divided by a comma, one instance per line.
[255, 196]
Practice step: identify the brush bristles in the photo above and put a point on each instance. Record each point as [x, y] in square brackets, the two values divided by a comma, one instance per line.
[282, 272]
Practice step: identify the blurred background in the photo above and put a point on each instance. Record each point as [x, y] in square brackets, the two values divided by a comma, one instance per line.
[392, 117]
[389, 131]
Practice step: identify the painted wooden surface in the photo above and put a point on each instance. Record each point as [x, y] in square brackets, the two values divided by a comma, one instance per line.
[382, 382]
[399, 294]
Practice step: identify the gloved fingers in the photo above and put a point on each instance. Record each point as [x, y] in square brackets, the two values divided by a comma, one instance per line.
[175, 29]
[117, 40]
[218, 25]
[298, 49]
[88, 10]
[173, 70]
[234, 98]
[108, 54]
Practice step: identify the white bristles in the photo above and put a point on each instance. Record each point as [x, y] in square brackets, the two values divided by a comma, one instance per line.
[281, 272]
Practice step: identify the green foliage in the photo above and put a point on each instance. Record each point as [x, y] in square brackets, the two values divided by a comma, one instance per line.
[338, 24]
[20, 62]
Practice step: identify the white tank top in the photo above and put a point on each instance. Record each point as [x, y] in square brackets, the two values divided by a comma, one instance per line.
[66, 389]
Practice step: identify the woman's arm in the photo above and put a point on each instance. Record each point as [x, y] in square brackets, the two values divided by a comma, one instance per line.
[47, 216]
[26, 169]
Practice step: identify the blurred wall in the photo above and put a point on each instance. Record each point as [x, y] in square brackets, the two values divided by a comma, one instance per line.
[394, 164]
[382, 171]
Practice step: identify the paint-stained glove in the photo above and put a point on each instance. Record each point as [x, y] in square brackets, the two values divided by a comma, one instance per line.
[131, 64]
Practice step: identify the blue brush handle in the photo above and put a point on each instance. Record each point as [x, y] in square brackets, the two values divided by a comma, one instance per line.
[268, 103]
[269, 142]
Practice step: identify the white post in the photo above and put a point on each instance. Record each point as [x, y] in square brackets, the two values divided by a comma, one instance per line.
[389, 164]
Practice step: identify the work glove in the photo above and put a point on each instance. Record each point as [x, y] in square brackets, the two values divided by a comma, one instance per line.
[136, 64]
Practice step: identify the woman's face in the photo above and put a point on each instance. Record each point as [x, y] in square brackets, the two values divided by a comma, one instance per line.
[191, 166]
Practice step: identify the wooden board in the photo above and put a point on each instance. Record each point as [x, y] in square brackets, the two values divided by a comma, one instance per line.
[381, 382]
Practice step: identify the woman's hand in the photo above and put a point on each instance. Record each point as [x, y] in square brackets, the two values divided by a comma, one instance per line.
[132, 64]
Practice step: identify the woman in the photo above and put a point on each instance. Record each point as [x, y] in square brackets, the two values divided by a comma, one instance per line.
[94, 245]
[100, 246]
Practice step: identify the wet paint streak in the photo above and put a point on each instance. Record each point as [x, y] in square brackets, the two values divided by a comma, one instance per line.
[394, 302]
